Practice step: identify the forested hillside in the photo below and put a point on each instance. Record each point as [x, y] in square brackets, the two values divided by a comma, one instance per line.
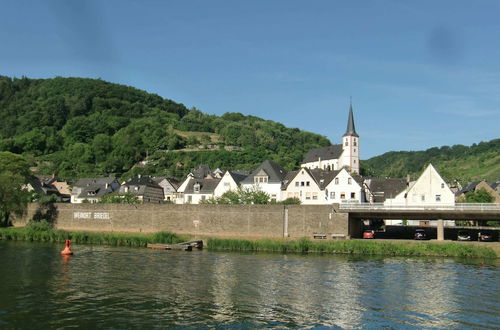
[78, 127]
[462, 163]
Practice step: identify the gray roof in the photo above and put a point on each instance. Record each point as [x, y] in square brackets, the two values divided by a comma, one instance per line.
[383, 188]
[140, 185]
[470, 187]
[288, 178]
[239, 176]
[173, 181]
[273, 170]
[351, 130]
[323, 177]
[325, 153]
[207, 186]
[93, 181]
[202, 171]
[95, 187]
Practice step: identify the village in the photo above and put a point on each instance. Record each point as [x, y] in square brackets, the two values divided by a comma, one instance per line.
[328, 175]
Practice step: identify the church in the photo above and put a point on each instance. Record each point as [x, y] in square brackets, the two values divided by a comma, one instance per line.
[337, 156]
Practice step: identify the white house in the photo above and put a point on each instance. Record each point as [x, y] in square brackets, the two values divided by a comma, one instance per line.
[345, 188]
[230, 181]
[91, 190]
[338, 156]
[169, 186]
[428, 190]
[268, 177]
[179, 195]
[317, 186]
[198, 190]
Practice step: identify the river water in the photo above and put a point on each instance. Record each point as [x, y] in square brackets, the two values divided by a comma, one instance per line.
[104, 287]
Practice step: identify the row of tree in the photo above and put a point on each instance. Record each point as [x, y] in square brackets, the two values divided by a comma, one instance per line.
[80, 127]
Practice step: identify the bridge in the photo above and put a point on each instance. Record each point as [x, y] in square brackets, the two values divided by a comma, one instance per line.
[459, 211]
[432, 212]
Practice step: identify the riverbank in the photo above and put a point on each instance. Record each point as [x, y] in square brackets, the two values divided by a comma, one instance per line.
[361, 247]
[304, 245]
[86, 237]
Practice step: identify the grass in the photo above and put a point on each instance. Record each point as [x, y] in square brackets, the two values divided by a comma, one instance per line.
[82, 237]
[43, 232]
[361, 247]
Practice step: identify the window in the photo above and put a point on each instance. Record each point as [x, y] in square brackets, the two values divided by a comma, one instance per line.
[422, 198]
[196, 187]
[190, 199]
[297, 183]
[332, 195]
[355, 144]
[349, 181]
[226, 184]
[302, 183]
[342, 195]
[353, 195]
[442, 185]
[315, 196]
[438, 198]
[336, 180]
[308, 195]
[346, 143]
[354, 149]
[308, 183]
[203, 197]
[355, 161]
[296, 195]
[289, 195]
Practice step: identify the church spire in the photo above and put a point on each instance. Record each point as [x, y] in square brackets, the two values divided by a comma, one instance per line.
[351, 130]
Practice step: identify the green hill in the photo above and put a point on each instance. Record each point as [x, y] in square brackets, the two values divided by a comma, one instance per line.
[477, 162]
[78, 127]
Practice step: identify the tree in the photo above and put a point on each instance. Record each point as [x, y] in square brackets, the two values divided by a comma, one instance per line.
[478, 196]
[14, 174]
[240, 196]
[115, 198]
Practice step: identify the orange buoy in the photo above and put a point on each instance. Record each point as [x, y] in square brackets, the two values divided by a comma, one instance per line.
[67, 249]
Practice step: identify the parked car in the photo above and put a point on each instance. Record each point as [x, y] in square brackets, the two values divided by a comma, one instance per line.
[485, 236]
[420, 234]
[369, 234]
[463, 235]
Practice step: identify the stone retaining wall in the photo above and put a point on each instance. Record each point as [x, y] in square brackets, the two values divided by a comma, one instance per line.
[271, 221]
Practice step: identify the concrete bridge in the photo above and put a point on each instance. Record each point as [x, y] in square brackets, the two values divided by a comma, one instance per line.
[459, 211]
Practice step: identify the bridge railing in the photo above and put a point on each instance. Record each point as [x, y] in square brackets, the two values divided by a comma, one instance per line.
[426, 207]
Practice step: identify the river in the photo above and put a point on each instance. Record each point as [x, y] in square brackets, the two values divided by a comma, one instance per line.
[107, 287]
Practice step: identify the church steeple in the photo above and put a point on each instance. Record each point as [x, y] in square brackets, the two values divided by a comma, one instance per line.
[350, 145]
[351, 130]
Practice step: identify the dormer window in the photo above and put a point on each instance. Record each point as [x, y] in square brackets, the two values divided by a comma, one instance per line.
[196, 187]
[260, 179]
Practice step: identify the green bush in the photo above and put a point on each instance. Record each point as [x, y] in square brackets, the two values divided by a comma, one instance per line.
[361, 247]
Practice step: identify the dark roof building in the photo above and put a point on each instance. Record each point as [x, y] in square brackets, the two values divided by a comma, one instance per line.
[144, 188]
[201, 186]
[380, 189]
[323, 153]
[92, 189]
[274, 172]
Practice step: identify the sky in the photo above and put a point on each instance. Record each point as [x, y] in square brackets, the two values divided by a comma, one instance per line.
[420, 73]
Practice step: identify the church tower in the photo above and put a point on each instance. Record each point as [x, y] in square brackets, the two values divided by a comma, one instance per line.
[350, 146]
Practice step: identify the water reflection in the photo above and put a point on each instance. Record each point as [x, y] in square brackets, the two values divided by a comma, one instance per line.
[122, 288]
